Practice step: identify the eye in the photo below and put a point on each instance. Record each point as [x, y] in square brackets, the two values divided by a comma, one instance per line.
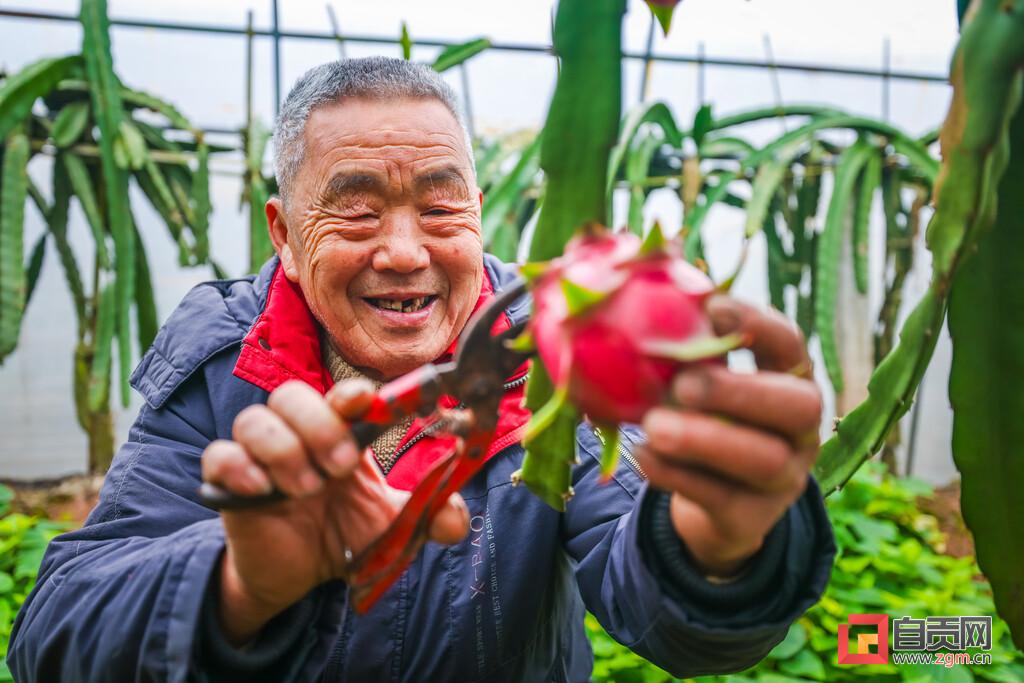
[437, 212]
[363, 217]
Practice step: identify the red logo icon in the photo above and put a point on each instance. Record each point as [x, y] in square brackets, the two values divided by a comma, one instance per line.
[871, 647]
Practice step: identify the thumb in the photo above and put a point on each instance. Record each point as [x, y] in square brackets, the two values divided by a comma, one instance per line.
[351, 398]
[451, 524]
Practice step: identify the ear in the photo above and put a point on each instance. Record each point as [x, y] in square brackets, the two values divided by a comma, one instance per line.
[480, 199]
[278, 226]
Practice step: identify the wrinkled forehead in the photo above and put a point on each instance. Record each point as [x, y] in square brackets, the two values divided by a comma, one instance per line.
[404, 135]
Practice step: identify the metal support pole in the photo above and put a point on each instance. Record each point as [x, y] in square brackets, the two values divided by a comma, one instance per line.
[773, 74]
[496, 46]
[336, 29]
[886, 81]
[701, 96]
[275, 30]
[248, 70]
[646, 74]
[466, 100]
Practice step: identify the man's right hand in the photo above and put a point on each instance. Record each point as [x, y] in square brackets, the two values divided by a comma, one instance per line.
[276, 554]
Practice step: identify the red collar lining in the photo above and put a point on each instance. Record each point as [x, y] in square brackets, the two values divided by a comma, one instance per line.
[284, 343]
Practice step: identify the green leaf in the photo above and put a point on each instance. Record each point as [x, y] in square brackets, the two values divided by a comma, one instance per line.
[20, 90]
[547, 467]
[81, 184]
[135, 145]
[984, 389]
[796, 638]
[33, 266]
[137, 98]
[804, 664]
[201, 206]
[505, 196]
[70, 124]
[610, 439]
[453, 55]
[754, 115]
[108, 110]
[778, 263]
[406, 42]
[6, 583]
[772, 160]
[975, 156]
[656, 113]
[99, 372]
[638, 165]
[829, 248]
[542, 419]
[6, 496]
[581, 128]
[13, 194]
[702, 122]
[57, 224]
[154, 185]
[145, 302]
[865, 190]
[257, 194]
[582, 122]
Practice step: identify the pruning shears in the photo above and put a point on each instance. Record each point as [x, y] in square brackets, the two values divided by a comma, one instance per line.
[476, 378]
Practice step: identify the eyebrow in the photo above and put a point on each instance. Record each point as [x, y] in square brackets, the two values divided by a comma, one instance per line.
[343, 185]
[446, 176]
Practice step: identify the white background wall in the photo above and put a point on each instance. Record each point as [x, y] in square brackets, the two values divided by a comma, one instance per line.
[204, 75]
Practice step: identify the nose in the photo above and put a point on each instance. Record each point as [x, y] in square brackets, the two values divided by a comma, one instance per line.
[402, 248]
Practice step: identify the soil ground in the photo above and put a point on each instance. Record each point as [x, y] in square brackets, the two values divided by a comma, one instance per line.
[67, 499]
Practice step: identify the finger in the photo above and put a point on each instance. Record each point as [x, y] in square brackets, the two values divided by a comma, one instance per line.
[779, 402]
[273, 444]
[226, 464]
[324, 434]
[775, 340]
[751, 457]
[351, 398]
[451, 524]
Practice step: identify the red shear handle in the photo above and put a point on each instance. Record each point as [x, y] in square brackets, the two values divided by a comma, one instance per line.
[384, 560]
[414, 392]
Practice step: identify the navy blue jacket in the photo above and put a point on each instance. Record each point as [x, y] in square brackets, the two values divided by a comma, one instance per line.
[129, 596]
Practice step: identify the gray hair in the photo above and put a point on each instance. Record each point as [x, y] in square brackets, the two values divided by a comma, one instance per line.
[380, 78]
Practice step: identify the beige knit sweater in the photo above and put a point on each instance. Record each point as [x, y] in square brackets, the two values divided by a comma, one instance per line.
[386, 444]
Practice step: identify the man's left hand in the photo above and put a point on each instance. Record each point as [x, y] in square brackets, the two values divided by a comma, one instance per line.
[735, 448]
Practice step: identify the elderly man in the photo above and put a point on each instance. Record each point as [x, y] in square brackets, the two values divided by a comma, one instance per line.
[698, 558]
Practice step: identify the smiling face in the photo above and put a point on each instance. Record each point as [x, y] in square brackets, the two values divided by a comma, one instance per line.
[382, 230]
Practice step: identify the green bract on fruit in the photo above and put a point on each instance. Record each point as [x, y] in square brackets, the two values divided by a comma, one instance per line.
[615, 319]
[662, 10]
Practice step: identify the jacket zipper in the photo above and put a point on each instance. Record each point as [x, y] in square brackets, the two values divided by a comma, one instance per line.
[623, 452]
[334, 662]
[434, 426]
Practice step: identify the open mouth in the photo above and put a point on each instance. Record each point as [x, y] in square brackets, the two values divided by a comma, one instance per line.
[402, 305]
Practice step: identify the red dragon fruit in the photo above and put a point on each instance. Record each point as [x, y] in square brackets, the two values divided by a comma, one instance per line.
[614, 321]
